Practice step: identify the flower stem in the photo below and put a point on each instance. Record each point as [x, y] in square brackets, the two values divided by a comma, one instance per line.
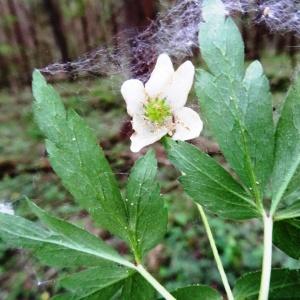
[216, 254]
[163, 292]
[267, 258]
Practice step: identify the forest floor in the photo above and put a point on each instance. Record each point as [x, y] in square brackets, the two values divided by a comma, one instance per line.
[183, 257]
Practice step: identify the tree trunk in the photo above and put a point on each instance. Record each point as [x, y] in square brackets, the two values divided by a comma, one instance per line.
[293, 49]
[23, 37]
[56, 21]
[138, 15]
[13, 59]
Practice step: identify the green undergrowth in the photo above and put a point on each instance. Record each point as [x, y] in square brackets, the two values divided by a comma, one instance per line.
[182, 259]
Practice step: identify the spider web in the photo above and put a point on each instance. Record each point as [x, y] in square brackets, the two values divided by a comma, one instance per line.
[174, 32]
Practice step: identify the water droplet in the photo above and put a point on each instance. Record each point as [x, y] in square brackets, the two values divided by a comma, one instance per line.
[126, 199]
[73, 139]
[257, 182]
[131, 203]
[183, 174]
[125, 227]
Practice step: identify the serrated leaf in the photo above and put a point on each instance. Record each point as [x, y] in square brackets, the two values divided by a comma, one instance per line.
[77, 158]
[66, 245]
[49, 110]
[100, 282]
[285, 284]
[146, 212]
[236, 105]
[111, 292]
[64, 296]
[199, 292]
[286, 237]
[209, 184]
[76, 235]
[137, 288]
[289, 206]
[292, 191]
[221, 43]
[108, 282]
[290, 212]
[287, 148]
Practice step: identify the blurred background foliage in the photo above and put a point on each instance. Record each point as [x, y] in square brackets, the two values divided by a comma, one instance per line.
[35, 33]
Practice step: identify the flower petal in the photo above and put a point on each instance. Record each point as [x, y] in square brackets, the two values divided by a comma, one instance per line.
[160, 77]
[145, 133]
[133, 92]
[178, 91]
[188, 124]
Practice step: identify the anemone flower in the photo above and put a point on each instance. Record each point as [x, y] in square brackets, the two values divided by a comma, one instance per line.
[158, 107]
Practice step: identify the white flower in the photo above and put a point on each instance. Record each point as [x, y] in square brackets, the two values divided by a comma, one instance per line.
[158, 108]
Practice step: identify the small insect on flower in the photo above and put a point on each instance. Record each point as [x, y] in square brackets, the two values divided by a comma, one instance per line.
[158, 108]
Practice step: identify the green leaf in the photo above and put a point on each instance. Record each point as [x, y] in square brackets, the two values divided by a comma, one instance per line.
[105, 282]
[111, 292]
[221, 43]
[292, 191]
[101, 282]
[49, 110]
[290, 212]
[64, 296]
[146, 212]
[289, 206]
[287, 146]
[286, 237]
[199, 292]
[76, 234]
[208, 184]
[137, 288]
[285, 284]
[236, 105]
[65, 245]
[77, 158]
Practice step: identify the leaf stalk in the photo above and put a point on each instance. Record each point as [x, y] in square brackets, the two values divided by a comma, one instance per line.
[162, 291]
[216, 253]
[267, 258]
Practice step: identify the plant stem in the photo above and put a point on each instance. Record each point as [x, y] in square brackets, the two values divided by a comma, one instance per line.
[267, 258]
[216, 254]
[163, 292]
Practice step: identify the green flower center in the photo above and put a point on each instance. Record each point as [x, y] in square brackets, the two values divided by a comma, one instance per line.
[157, 111]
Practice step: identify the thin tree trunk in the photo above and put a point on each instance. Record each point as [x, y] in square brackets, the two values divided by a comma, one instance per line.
[5, 78]
[56, 21]
[30, 12]
[280, 44]
[13, 59]
[139, 13]
[292, 49]
[22, 37]
[257, 42]
[138, 16]
[85, 32]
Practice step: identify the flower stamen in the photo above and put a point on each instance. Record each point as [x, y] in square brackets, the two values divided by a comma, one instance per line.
[157, 111]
